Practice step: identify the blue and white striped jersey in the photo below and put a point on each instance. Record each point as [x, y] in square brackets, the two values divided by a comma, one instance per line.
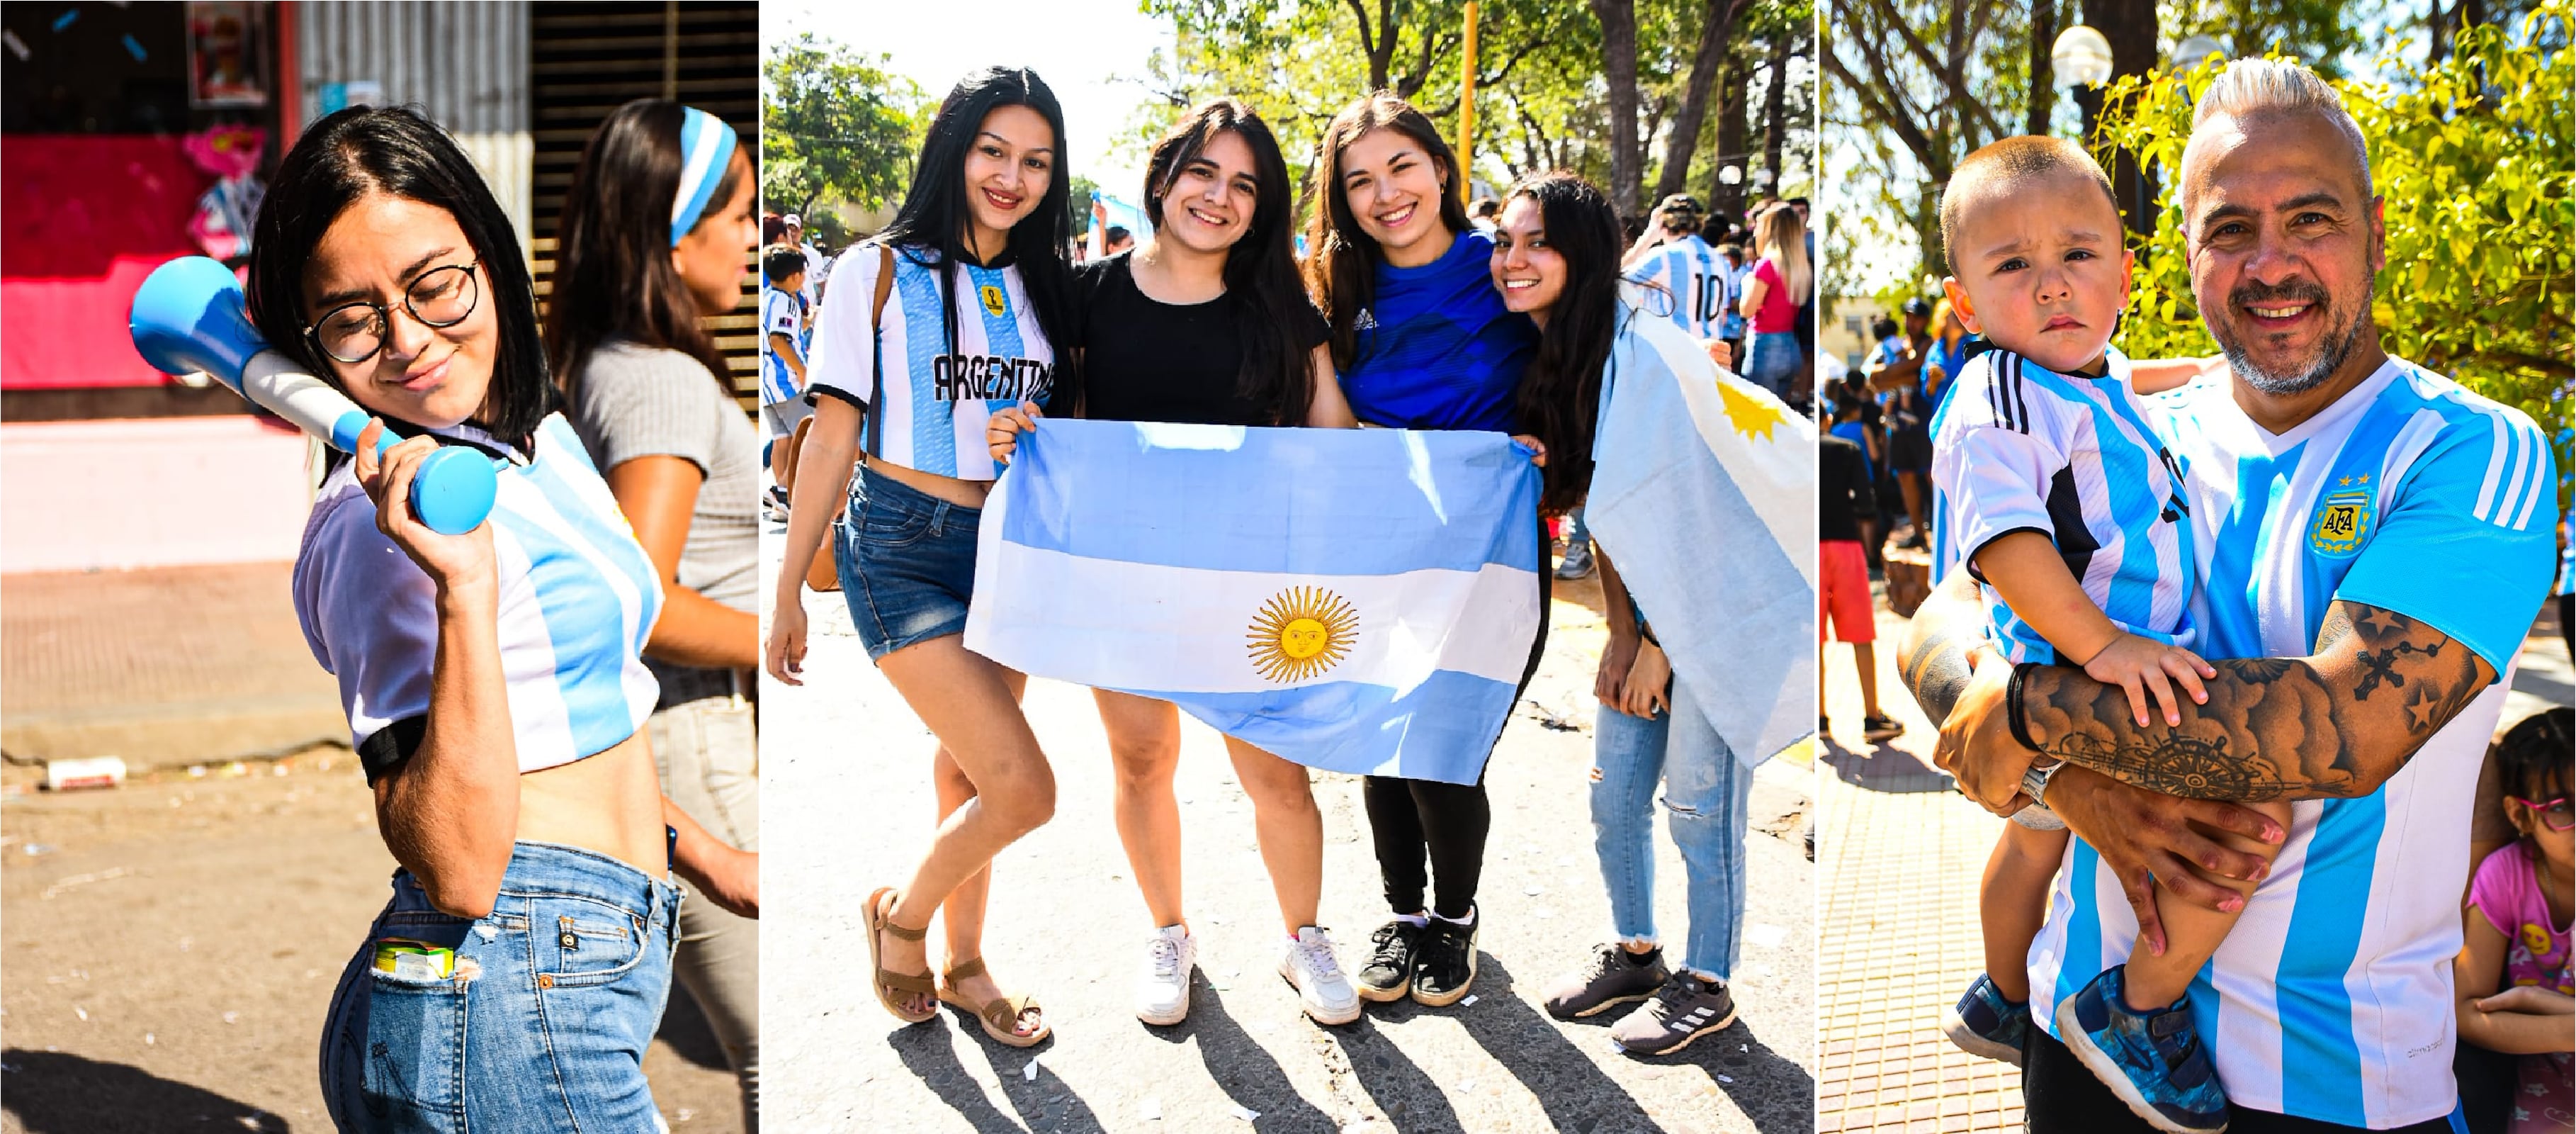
[578, 600]
[1691, 272]
[781, 313]
[2332, 998]
[2076, 459]
[939, 391]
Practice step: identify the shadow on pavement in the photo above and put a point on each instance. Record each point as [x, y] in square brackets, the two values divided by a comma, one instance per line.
[1772, 1089]
[1882, 768]
[1575, 1094]
[685, 1028]
[54, 1092]
[932, 1058]
[1393, 1081]
[1239, 1065]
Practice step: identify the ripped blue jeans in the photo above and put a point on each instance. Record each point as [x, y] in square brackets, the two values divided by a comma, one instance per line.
[544, 1024]
[1707, 797]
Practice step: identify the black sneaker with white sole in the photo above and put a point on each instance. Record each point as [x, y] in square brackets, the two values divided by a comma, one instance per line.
[1444, 963]
[1615, 977]
[1388, 975]
[1684, 1009]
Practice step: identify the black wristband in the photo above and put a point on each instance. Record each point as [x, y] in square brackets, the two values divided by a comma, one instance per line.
[2013, 713]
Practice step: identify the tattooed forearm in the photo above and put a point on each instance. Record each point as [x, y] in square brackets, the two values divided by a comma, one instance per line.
[1932, 659]
[2274, 728]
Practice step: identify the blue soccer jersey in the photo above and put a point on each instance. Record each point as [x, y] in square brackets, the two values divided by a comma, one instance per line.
[2075, 459]
[2332, 998]
[1437, 349]
[1689, 272]
[948, 366]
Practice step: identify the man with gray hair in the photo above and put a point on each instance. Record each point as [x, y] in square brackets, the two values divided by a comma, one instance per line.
[2374, 541]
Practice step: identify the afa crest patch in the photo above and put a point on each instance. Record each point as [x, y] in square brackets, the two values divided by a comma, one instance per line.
[2343, 521]
[992, 297]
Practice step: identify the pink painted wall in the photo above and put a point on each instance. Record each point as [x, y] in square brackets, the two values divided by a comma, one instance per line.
[164, 492]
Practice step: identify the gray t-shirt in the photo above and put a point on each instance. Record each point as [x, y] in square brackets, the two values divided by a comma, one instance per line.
[634, 401]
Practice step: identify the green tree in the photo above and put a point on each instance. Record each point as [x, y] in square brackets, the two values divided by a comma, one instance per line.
[834, 126]
[2472, 160]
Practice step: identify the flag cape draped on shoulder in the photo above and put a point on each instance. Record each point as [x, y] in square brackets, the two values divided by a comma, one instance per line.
[1704, 496]
[1360, 601]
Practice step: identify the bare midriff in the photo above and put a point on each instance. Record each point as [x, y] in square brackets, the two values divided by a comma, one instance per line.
[610, 803]
[963, 493]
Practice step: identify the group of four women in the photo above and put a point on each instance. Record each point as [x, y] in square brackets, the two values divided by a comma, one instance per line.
[1403, 315]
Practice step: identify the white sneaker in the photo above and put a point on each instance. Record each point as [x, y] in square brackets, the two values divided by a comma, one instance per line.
[1163, 988]
[1310, 965]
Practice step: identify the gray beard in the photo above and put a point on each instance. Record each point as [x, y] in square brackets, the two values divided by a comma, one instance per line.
[2336, 350]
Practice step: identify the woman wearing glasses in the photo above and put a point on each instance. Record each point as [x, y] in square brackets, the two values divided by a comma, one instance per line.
[493, 680]
[656, 232]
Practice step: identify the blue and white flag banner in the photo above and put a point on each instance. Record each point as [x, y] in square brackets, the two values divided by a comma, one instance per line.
[1704, 496]
[1360, 601]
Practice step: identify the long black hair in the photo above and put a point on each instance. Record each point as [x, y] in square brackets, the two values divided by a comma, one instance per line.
[934, 213]
[1261, 268]
[613, 274]
[1341, 258]
[398, 152]
[2531, 762]
[1560, 391]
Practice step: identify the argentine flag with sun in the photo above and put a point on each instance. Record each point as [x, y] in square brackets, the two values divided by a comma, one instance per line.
[1360, 601]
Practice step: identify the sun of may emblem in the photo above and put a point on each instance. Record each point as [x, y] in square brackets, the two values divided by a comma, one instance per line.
[1301, 632]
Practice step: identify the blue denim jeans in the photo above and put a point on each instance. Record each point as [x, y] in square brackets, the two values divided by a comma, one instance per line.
[1707, 796]
[1771, 361]
[541, 1029]
[907, 563]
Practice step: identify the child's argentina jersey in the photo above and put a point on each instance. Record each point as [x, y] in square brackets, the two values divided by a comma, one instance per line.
[578, 599]
[2332, 997]
[1689, 271]
[937, 399]
[2076, 459]
[781, 313]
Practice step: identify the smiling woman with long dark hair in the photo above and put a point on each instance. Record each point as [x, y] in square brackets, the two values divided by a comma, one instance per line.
[1556, 258]
[1206, 323]
[656, 229]
[1423, 341]
[492, 679]
[949, 315]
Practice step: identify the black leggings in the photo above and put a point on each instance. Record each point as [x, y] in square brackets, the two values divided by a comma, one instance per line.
[1412, 819]
[2059, 1094]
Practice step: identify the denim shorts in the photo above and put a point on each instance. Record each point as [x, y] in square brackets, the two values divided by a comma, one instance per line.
[544, 1024]
[907, 563]
[1771, 361]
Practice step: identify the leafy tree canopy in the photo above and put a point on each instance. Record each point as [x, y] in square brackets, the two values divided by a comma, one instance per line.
[835, 126]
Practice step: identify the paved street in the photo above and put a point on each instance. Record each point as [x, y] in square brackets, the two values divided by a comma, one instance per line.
[1901, 852]
[167, 948]
[847, 783]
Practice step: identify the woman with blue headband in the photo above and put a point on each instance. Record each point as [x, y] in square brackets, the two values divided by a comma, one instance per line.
[493, 680]
[656, 232]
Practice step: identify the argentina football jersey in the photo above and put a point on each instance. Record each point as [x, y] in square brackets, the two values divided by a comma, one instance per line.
[1689, 273]
[945, 372]
[2332, 996]
[2079, 460]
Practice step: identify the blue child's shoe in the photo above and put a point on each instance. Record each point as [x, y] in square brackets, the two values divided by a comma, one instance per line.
[1984, 1023]
[2153, 1060]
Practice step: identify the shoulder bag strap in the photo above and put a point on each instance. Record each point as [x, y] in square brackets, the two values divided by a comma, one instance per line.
[876, 327]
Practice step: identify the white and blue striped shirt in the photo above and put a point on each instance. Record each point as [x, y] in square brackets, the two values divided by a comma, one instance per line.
[937, 398]
[781, 313]
[2019, 448]
[578, 598]
[1690, 272]
[2331, 999]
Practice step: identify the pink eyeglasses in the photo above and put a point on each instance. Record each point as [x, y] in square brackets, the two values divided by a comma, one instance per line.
[2553, 813]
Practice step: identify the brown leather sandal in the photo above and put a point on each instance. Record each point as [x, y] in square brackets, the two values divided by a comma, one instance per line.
[1000, 1016]
[891, 986]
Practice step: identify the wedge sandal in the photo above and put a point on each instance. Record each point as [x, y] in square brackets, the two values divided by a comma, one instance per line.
[1000, 1016]
[891, 987]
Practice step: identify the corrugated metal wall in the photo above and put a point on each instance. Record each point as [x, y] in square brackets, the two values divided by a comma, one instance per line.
[465, 65]
[587, 59]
